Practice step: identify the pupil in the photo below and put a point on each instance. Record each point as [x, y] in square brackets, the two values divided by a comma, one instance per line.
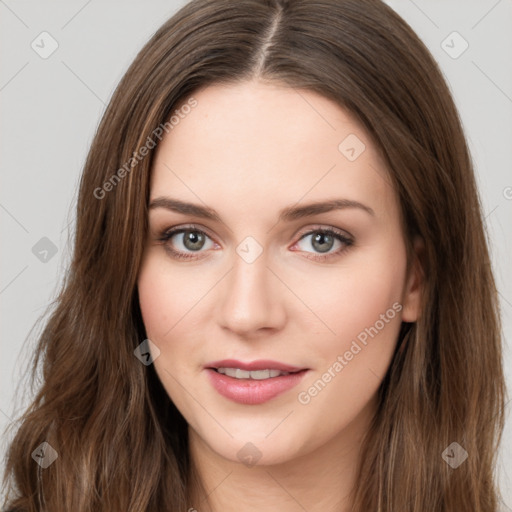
[193, 240]
[320, 239]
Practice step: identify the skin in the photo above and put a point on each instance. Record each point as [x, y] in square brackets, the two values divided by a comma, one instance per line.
[247, 151]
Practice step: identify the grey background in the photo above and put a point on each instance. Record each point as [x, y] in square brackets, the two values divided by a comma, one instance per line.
[51, 107]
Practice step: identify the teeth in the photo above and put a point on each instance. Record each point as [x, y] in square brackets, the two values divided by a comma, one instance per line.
[237, 373]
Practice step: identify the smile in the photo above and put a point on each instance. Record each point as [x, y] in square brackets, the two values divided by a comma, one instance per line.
[238, 373]
[252, 387]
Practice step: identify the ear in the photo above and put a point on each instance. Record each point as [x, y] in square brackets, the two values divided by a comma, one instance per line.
[411, 299]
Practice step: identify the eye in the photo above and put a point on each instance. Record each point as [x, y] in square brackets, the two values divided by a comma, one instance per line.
[186, 238]
[184, 241]
[323, 240]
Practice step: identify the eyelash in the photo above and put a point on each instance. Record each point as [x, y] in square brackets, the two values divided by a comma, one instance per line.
[165, 235]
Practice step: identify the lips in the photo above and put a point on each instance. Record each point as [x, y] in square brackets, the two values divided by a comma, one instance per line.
[252, 391]
[261, 364]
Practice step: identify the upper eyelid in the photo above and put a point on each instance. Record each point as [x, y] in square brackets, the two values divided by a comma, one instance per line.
[185, 227]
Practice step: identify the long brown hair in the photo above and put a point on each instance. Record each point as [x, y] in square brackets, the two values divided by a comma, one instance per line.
[121, 443]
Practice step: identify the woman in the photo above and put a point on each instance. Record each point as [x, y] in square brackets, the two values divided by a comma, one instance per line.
[281, 293]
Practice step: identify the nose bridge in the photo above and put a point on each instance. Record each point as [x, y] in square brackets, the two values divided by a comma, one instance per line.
[250, 298]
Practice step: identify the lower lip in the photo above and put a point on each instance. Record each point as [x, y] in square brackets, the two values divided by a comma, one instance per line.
[252, 391]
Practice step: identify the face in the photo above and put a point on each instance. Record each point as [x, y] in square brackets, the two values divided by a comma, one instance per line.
[252, 277]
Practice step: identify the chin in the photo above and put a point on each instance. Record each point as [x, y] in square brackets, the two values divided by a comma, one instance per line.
[253, 451]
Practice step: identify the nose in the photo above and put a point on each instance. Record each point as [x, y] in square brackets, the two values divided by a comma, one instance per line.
[252, 298]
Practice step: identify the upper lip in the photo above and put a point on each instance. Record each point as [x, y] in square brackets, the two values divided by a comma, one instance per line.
[260, 364]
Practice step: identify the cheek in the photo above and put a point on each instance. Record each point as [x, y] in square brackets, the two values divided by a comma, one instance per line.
[169, 307]
[164, 313]
[156, 302]
[363, 309]
[166, 297]
[361, 294]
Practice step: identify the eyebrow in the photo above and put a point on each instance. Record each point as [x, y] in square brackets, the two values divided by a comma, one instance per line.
[286, 214]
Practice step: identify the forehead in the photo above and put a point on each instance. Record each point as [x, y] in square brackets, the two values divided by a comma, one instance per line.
[255, 145]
